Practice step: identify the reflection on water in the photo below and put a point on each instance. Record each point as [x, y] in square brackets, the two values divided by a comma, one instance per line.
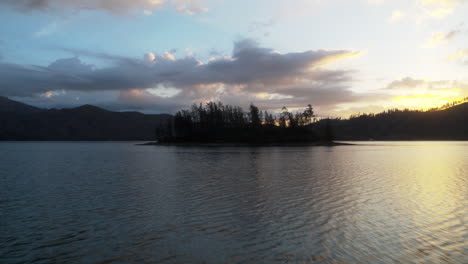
[383, 202]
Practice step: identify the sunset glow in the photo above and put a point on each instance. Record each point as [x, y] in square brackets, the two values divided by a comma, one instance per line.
[233, 131]
[428, 100]
[343, 57]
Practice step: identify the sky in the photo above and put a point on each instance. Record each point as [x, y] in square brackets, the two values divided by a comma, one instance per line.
[157, 56]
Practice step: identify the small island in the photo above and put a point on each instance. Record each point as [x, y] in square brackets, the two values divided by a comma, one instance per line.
[218, 124]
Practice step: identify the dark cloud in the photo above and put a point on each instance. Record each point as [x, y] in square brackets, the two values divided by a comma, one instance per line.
[114, 6]
[452, 34]
[442, 38]
[410, 85]
[252, 73]
[449, 35]
[107, 5]
[405, 83]
[27, 4]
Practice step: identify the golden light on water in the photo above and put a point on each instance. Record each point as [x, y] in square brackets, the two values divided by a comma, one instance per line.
[425, 196]
[431, 194]
[435, 183]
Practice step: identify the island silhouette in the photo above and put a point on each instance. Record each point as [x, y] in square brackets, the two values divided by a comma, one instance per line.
[215, 122]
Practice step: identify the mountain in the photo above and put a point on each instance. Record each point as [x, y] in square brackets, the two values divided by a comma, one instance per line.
[7, 105]
[447, 124]
[19, 121]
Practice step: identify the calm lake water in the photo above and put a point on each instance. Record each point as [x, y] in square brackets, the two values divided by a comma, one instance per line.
[120, 203]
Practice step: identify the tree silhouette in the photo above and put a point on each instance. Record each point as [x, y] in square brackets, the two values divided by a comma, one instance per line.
[254, 115]
[284, 117]
[329, 134]
[216, 122]
[309, 114]
[269, 119]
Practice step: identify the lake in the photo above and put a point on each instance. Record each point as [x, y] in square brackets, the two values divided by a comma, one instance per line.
[107, 202]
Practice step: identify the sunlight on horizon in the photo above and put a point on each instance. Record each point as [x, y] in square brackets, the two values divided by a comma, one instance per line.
[154, 56]
[426, 101]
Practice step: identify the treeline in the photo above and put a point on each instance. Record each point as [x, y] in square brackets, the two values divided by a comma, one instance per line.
[216, 122]
[390, 113]
[449, 105]
[449, 122]
[395, 112]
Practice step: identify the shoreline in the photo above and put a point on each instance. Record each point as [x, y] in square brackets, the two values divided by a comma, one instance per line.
[234, 144]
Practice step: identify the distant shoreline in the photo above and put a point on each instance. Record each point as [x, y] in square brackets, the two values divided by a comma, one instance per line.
[234, 144]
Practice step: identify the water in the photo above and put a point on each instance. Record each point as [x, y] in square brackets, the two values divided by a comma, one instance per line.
[120, 203]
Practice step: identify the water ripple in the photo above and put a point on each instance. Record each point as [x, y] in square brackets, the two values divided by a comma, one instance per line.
[118, 203]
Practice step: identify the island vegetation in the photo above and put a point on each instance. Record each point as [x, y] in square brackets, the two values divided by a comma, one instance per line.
[218, 123]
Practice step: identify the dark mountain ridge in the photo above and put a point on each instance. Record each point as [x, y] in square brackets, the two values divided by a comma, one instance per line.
[7, 105]
[20, 121]
[447, 124]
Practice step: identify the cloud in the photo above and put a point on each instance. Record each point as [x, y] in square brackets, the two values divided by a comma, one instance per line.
[412, 85]
[408, 92]
[375, 2]
[404, 83]
[459, 54]
[52, 27]
[425, 94]
[432, 94]
[150, 57]
[440, 38]
[438, 8]
[397, 15]
[190, 7]
[112, 6]
[420, 10]
[47, 30]
[262, 28]
[282, 78]
[107, 5]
